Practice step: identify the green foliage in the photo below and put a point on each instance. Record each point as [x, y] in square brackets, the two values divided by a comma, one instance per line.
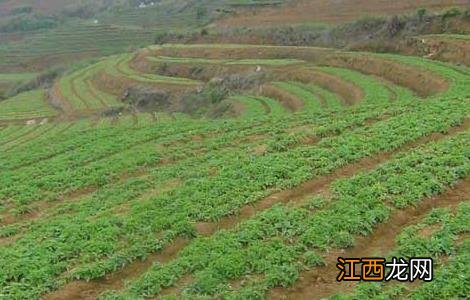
[22, 10]
[451, 13]
[29, 23]
[421, 13]
[26, 105]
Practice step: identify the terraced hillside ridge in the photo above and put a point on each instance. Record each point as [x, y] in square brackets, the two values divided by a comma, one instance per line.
[304, 79]
[301, 154]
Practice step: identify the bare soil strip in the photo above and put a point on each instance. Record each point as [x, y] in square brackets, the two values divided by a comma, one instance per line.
[320, 283]
[90, 290]
[27, 139]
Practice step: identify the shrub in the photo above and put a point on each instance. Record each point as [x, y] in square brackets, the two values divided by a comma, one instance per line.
[29, 23]
[466, 14]
[421, 13]
[452, 13]
[43, 80]
[22, 10]
[143, 98]
[312, 259]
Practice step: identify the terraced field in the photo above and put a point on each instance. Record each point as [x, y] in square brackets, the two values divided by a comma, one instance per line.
[27, 105]
[124, 25]
[331, 153]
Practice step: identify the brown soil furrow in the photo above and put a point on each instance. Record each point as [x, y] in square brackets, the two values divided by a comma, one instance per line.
[90, 290]
[349, 93]
[320, 97]
[15, 138]
[28, 139]
[319, 184]
[320, 283]
[57, 100]
[289, 101]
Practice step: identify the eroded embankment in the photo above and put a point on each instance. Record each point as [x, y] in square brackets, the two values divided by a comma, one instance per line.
[423, 82]
[349, 92]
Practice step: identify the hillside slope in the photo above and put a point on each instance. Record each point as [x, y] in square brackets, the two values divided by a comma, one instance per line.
[331, 11]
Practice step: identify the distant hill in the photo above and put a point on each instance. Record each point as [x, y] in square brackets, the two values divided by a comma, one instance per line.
[302, 11]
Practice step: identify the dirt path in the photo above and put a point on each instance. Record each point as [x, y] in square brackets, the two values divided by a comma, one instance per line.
[90, 290]
[320, 283]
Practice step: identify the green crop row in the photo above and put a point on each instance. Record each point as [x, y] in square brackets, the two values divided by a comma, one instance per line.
[79, 90]
[28, 105]
[190, 60]
[464, 37]
[275, 108]
[330, 100]
[120, 66]
[36, 133]
[458, 77]
[374, 90]
[310, 100]
[252, 108]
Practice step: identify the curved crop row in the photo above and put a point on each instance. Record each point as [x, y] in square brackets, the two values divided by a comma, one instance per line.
[27, 105]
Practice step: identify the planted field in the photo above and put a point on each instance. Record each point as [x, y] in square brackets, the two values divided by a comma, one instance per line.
[441, 235]
[8, 77]
[326, 156]
[28, 105]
